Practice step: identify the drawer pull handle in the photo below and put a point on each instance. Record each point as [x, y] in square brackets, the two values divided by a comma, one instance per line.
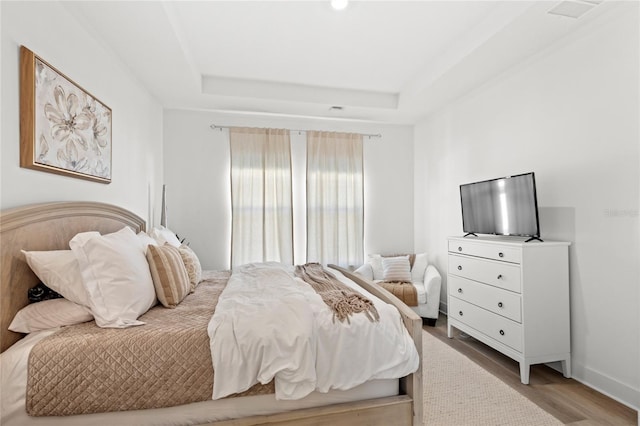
[500, 276]
[460, 313]
[502, 332]
[459, 248]
[459, 267]
[501, 254]
[459, 290]
[499, 304]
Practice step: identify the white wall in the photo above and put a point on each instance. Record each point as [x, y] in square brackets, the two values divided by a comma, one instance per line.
[52, 33]
[197, 175]
[570, 114]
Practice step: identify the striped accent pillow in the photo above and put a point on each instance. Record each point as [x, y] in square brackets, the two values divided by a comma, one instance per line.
[169, 274]
[396, 269]
[192, 263]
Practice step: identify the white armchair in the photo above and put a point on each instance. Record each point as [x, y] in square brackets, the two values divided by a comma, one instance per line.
[424, 277]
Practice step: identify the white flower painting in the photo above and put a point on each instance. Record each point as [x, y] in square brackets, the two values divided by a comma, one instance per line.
[72, 129]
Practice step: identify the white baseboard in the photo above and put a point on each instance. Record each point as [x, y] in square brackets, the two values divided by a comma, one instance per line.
[614, 389]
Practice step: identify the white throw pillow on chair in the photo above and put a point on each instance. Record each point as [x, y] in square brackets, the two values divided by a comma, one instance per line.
[419, 267]
[375, 260]
[366, 271]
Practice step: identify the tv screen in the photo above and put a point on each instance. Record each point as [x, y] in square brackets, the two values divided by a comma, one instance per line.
[503, 206]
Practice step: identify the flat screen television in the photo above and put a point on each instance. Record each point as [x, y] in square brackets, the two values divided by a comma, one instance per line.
[502, 206]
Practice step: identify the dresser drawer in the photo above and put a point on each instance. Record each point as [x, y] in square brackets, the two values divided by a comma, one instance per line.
[494, 299]
[489, 251]
[498, 274]
[498, 328]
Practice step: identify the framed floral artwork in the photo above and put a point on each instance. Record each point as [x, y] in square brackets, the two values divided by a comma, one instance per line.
[63, 128]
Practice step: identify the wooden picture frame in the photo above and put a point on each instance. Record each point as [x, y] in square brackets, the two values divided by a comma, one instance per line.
[63, 128]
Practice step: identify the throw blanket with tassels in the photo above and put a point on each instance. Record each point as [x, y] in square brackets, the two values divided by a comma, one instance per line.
[342, 300]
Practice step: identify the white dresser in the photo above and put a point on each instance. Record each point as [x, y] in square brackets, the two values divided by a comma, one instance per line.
[512, 296]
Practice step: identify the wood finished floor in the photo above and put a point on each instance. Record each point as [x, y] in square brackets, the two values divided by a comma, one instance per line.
[569, 401]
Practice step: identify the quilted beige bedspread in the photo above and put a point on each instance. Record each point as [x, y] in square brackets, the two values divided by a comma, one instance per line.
[166, 362]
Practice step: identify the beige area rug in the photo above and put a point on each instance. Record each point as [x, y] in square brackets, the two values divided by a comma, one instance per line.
[459, 392]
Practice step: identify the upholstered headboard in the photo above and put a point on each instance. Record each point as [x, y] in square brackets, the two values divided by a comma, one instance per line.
[47, 226]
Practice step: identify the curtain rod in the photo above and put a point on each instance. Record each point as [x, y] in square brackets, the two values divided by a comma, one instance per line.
[369, 135]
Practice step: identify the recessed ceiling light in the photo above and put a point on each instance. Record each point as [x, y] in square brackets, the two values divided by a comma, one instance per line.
[339, 4]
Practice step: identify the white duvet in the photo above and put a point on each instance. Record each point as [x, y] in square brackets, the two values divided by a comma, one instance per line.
[269, 325]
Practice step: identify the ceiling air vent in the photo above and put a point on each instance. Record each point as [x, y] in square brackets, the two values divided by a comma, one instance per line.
[574, 8]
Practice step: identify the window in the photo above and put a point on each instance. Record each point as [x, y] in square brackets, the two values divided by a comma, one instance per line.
[261, 201]
[335, 205]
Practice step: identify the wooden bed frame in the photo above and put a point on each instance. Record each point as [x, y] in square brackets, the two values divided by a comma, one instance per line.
[50, 226]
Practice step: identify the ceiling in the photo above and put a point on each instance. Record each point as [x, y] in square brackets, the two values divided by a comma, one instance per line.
[381, 61]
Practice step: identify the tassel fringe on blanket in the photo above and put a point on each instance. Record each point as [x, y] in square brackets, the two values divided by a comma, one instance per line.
[339, 297]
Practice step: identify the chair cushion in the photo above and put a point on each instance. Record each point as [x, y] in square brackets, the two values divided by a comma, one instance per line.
[422, 292]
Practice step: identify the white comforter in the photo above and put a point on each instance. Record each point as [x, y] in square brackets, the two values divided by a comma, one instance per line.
[270, 325]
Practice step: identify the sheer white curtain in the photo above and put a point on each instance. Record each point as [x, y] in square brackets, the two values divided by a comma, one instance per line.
[335, 205]
[262, 223]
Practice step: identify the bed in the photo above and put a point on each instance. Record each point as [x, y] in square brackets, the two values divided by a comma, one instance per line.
[50, 227]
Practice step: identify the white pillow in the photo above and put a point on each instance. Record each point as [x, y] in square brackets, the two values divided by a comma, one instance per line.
[49, 314]
[59, 270]
[366, 271]
[146, 240]
[420, 264]
[116, 276]
[396, 268]
[375, 260]
[164, 235]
